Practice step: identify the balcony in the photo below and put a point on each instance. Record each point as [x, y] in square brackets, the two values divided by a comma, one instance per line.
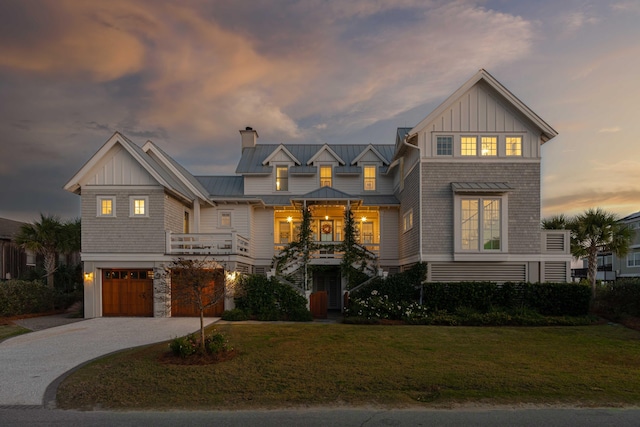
[207, 244]
[327, 251]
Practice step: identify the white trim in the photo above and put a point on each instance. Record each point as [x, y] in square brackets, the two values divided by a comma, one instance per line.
[99, 200]
[223, 213]
[132, 208]
[280, 148]
[371, 148]
[328, 149]
[457, 224]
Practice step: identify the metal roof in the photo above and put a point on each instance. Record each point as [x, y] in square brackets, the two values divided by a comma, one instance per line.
[222, 186]
[480, 187]
[9, 228]
[631, 217]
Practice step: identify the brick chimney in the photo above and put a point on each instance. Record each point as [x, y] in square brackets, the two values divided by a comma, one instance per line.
[249, 137]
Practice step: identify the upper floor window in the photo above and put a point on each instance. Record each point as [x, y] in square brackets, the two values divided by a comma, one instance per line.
[480, 224]
[225, 219]
[633, 259]
[468, 145]
[106, 206]
[514, 145]
[139, 206]
[444, 145]
[489, 145]
[407, 220]
[326, 176]
[282, 178]
[369, 178]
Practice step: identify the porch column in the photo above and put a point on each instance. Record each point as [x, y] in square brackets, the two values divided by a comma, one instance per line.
[196, 216]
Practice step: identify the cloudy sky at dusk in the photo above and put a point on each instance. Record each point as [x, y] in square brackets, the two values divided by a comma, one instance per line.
[188, 75]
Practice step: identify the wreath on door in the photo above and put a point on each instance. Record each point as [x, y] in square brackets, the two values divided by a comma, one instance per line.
[326, 228]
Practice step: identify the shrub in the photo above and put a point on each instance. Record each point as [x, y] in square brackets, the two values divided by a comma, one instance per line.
[184, 346]
[268, 299]
[22, 297]
[619, 299]
[216, 343]
[235, 315]
[188, 345]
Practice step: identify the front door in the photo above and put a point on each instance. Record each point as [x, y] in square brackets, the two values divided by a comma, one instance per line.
[329, 281]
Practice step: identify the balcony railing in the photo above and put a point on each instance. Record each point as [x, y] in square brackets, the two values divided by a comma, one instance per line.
[328, 251]
[207, 244]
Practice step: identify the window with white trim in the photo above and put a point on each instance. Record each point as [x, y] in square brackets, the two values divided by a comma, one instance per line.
[138, 206]
[480, 224]
[633, 259]
[407, 220]
[282, 178]
[444, 145]
[225, 219]
[369, 177]
[106, 206]
[489, 146]
[514, 145]
[326, 179]
[468, 145]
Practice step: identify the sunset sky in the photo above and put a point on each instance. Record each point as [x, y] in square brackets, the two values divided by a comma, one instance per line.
[188, 75]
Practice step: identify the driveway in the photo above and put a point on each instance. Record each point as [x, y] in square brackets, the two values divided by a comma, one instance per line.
[33, 361]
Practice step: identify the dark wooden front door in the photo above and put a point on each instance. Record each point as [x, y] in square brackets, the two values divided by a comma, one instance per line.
[329, 282]
[127, 293]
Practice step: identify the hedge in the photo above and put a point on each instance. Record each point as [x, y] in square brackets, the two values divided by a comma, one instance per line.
[24, 297]
[268, 299]
[621, 298]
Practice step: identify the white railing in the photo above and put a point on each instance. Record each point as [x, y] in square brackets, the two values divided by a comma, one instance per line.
[328, 251]
[207, 244]
[556, 242]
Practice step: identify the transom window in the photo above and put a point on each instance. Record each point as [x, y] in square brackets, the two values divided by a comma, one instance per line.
[369, 178]
[444, 145]
[106, 206]
[326, 179]
[514, 145]
[633, 259]
[282, 178]
[468, 145]
[139, 206]
[480, 228]
[489, 145]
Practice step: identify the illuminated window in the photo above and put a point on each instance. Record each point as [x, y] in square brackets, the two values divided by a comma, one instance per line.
[468, 145]
[225, 219]
[325, 176]
[106, 206]
[444, 145]
[489, 145]
[407, 220]
[282, 178]
[370, 178]
[481, 224]
[514, 146]
[139, 206]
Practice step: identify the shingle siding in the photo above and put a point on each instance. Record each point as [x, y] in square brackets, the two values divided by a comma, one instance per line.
[409, 199]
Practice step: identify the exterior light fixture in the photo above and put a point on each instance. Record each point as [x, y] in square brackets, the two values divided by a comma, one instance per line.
[289, 219]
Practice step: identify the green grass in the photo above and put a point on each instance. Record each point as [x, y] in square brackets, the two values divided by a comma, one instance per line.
[8, 331]
[288, 365]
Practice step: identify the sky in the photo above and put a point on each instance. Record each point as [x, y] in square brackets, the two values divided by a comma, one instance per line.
[188, 75]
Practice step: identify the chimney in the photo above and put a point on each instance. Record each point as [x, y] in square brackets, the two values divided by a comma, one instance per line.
[249, 137]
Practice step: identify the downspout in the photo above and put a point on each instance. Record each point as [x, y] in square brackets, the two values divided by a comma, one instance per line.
[417, 147]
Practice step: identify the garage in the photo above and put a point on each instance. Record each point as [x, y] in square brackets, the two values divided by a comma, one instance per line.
[187, 295]
[127, 293]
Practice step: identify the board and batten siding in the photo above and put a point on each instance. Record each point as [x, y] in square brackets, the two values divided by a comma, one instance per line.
[118, 167]
[122, 233]
[523, 208]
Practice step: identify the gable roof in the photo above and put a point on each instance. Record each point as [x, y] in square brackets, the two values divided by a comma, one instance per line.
[281, 148]
[325, 148]
[482, 75]
[370, 148]
[9, 228]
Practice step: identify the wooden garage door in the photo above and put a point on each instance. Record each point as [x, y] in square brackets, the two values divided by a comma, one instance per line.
[184, 295]
[127, 293]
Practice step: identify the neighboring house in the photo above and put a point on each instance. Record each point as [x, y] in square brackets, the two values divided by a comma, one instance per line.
[13, 259]
[459, 191]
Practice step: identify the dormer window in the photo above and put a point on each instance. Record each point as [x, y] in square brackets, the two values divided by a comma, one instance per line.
[326, 173]
[369, 178]
[282, 178]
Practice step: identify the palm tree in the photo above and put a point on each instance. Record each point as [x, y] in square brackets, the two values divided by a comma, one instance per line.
[46, 238]
[556, 222]
[597, 230]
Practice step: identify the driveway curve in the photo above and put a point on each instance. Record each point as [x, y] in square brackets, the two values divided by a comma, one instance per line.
[31, 362]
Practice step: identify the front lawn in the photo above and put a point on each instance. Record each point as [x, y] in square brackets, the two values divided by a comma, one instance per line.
[289, 365]
[10, 330]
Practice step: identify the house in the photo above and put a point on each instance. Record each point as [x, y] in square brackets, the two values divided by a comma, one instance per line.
[13, 258]
[460, 191]
[629, 266]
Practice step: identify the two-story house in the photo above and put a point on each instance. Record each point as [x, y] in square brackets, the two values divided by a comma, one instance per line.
[460, 191]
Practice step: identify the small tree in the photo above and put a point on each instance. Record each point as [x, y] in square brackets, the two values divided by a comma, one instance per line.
[299, 249]
[556, 222]
[198, 282]
[355, 256]
[45, 238]
[597, 230]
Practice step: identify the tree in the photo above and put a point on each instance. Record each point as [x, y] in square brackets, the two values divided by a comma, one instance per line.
[355, 257]
[198, 282]
[597, 230]
[556, 222]
[46, 237]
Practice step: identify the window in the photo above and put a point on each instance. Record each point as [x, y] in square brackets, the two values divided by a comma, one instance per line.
[489, 145]
[514, 146]
[225, 219]
[325, 176]
[468, 145]
[367, 233]
[444, 145]
[633, 259]
[407, 220]
[480, 228]
[139, 206]
[370, 178]
[285, 232]
[185, 223]
[282, 178]
[106, 206]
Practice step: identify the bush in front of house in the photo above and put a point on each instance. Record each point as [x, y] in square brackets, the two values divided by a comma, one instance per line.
[620, 299]
[26, 297]
[265, 298]
[214, 344]
[235, 315]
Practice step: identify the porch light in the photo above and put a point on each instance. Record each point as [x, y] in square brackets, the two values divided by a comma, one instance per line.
[289, 219]
[88, 277]
[364, 219]
[326, 217]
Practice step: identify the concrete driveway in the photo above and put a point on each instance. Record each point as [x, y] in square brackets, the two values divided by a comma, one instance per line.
[33, 361]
